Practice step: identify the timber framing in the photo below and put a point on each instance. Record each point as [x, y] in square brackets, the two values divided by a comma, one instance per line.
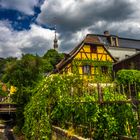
[79, 49]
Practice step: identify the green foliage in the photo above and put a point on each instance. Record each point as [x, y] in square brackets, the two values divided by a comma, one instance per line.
[106, 120]
[38, 111]
[94, 63]
[68, 98]
[128, 76]
[3, 64]
[99, 75]
[53, 57]
[130, 79]
[46, 66]
[22, 72]
[37, 124]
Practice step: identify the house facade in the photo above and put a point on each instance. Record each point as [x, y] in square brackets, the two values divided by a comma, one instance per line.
[96, 54]
[90, 58]
[119, 47]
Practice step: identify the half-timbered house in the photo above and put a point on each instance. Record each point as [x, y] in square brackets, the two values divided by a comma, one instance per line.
[90, 58]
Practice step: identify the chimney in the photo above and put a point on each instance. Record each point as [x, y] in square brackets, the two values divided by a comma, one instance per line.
[106, 33]
[113, 40]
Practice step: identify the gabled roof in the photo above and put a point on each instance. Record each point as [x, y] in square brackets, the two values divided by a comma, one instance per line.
[129, 58]
[127, 62]
[69, 57]
[129, 43]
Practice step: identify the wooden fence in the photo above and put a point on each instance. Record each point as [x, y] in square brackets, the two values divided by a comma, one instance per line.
[132, 93]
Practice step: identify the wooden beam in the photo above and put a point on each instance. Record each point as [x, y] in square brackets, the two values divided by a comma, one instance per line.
[85, 53]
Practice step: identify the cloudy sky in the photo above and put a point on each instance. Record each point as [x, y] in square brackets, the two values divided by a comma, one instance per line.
[26, 25]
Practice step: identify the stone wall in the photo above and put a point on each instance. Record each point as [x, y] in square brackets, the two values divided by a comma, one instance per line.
[61, 134]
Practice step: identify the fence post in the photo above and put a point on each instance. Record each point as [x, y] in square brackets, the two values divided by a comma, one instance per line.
[138, 111]
[129, 90]
[123, 89]
[138, 131]
[100, 94]
[135, 88]
[119, 89]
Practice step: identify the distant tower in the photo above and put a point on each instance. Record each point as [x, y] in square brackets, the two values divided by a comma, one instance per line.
[55, 45]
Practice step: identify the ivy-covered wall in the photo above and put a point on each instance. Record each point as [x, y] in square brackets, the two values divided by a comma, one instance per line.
[99, 70]
[92, 61]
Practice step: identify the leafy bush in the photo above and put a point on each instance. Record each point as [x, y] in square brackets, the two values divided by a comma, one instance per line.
[60, 99]
[128, 76]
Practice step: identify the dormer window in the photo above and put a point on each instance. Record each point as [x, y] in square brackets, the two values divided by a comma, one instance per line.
[114, 41]
[126, 56]
[93, 49]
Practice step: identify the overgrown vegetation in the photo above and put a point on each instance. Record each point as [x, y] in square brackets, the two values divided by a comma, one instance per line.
[131, 81]
[25, 74]
[69, 101]
[99, 74]
[128, 76]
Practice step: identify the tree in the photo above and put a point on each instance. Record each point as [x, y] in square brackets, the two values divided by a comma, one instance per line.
[3, 63]
[53, 57]
[24, 75]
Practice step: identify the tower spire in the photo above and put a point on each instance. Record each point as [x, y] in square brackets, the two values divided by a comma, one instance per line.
[55, 45]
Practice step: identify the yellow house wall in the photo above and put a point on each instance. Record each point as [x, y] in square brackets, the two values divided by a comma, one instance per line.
[86, 54]
[80, 70]
[101, 54]
[86, 48]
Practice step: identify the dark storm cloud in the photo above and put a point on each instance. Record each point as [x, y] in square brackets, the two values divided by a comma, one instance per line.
[85, 14]
[75, 16]
[115, 10]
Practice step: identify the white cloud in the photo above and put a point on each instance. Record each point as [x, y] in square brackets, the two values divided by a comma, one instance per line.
[37, 40]
[25, 6]
[73, 18]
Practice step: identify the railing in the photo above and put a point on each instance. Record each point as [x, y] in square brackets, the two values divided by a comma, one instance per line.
[7, 108]
[82, 122]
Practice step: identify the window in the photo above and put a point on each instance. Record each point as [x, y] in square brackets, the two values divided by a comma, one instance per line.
[87, 69]
[117, 58]
[104, 69]
[114, 41]
[93, 48]
[126, 56]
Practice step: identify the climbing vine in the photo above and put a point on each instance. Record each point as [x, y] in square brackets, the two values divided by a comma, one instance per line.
[99, 75]
[70, 101]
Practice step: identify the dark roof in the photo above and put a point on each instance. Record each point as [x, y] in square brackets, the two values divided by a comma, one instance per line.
[126, 63]
[69, 57]
[129, 58]
[123, 42]
[129, 43]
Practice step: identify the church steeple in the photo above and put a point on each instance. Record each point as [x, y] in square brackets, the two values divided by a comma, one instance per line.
[55, 45]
